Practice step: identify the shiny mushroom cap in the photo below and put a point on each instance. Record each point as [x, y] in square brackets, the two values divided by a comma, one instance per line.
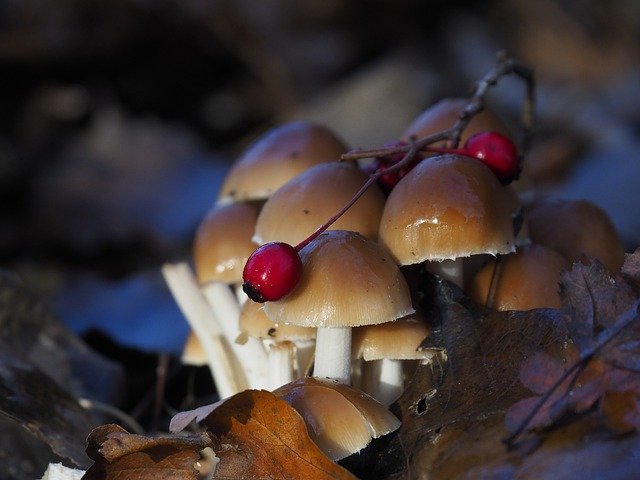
[445, 208]
[254, 323]
[304, 203]
[526, 279]
[223, 242]
[397, 340]
[278, 156]
[347, 281]
[445, 113]
[341, 420]
[573, 228]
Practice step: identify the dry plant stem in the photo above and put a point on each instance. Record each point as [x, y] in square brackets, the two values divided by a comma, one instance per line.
[252, 355]
[281, 355]
[131, 423]
[598, 344]
[228, 379]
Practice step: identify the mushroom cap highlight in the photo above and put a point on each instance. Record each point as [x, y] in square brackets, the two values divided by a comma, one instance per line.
[341, 420]
[276, 157]
[304, 203]
[527, 279]
[347, 281]
[223, 243]
[446, 207]
[573, 228]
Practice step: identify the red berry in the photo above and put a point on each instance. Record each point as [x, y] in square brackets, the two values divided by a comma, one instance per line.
[497, 152]
[271, 272]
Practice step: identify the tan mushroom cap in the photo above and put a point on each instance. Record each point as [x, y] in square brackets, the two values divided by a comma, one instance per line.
[276, 157]
[397, 340]
[223, 242]
[347, 281]
[192, 352]
[254, 323]
[527, 279]
[304, 203]
[341, 420]
[445, 208]
[573, 228]
[445, 113]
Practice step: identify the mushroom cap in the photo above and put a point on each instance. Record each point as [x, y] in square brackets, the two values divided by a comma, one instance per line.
[446, 207]
[444, 114]
[304, 203]
[254, 323]
[341, 420]
[276, 157]
[573, 228]
[192, 352]
[223, 243]
[528, 279]
[347, 281]
[397, 340]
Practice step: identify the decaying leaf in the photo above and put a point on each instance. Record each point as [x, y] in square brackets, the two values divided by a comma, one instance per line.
[631, 268]
[603, 321]
[479, 378]
[119, 455]
[257, 435]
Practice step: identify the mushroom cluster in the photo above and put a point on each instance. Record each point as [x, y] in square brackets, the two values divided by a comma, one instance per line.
[337, 332]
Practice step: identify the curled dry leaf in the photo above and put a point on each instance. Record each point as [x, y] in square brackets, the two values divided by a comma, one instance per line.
[119, 455]
[257, 435]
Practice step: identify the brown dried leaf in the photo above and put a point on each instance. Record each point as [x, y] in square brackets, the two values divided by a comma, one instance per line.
[631, 268]
[257, 435]
[621, 410]
[119, 455]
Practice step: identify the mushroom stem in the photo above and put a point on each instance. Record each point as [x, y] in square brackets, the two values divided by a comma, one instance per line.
[451, 270]
[386, 376]
[333, 354]
[305, 350]
[227, 378]
[240, 295]
[252, 354]
[281, 364]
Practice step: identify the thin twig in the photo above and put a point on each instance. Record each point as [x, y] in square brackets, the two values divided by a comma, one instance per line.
[598, 344]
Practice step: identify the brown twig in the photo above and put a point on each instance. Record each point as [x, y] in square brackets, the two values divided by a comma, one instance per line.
[598, 344]
[507, 65]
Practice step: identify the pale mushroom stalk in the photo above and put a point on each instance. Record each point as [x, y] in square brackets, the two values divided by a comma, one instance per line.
[333, 354]
[252, 354]
[451, 270]
[383, 380]
[228, 379]
[281, 355]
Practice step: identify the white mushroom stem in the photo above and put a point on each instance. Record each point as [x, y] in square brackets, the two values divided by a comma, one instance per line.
[333, 354]
[383, 380]
[226, 376]
[305, 350]
[451, 270]
[252, 354]
[240, 295]
[281, 356]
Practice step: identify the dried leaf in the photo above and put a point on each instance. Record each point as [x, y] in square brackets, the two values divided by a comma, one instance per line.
[622, 410]
[631, 268]
[479, 378]
[257, 435]
[119, 455]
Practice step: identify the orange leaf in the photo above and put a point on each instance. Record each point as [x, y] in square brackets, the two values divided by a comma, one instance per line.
[119, 455]
[257, 435]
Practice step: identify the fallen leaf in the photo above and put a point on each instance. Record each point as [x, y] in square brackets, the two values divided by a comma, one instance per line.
[631, 268]
[479, 378]
[119, 455]
[257, 435]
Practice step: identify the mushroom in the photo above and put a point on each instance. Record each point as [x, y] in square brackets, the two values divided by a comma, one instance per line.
[276, 157]
[289, 346]
[341, 420]
[574, 228]
[446, 208]
[297, 208]
[445, 113]
[347, 281]
[525, 280]
[384, 348]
